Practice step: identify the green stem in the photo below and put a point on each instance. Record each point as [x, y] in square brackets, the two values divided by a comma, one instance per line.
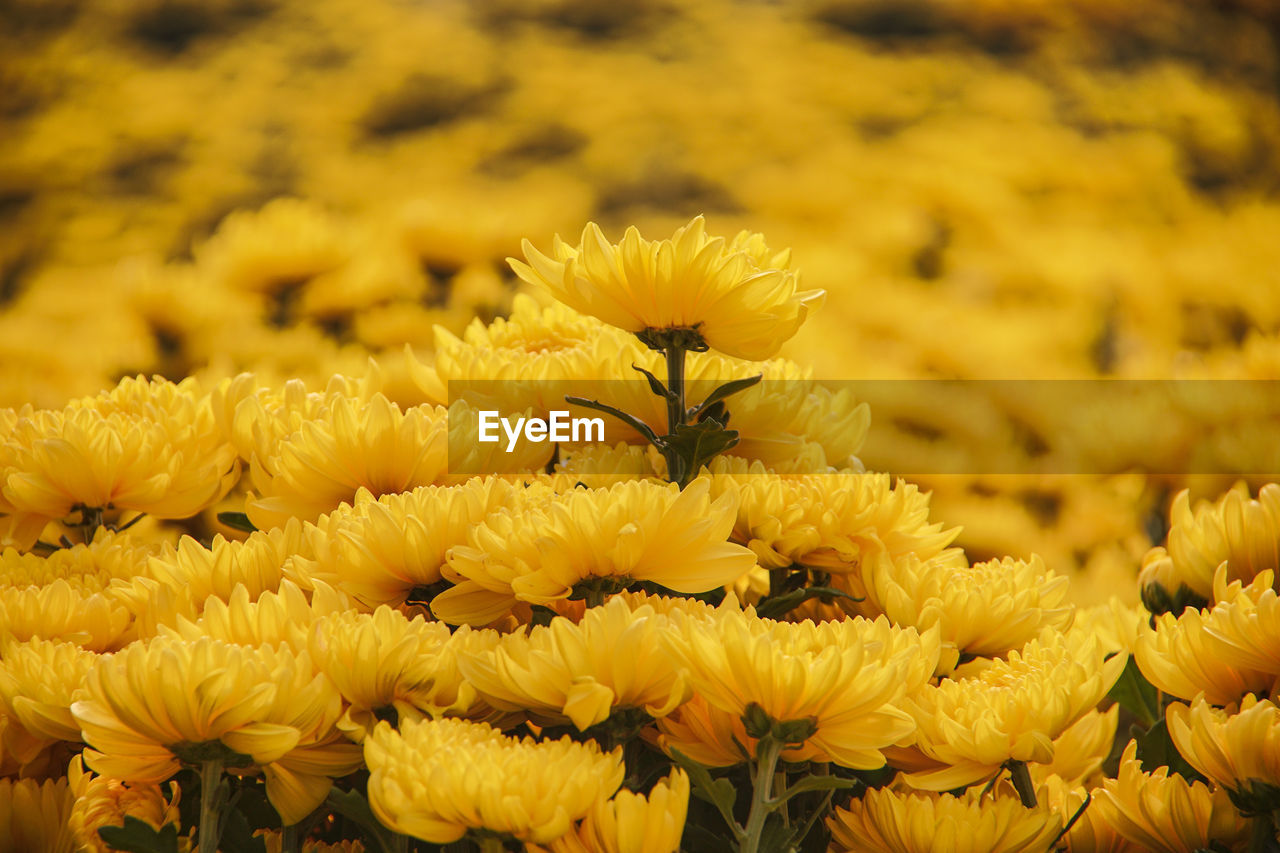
[595, 596]
[399, 843]
[1263, 839]
[210, 834]
[676, 413]
[768, 750]
[1021, 776]
[290, 842]
[490, 844]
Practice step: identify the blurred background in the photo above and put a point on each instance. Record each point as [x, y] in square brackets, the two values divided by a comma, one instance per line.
[986, 189]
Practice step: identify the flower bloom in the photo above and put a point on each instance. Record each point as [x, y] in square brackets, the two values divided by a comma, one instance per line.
[847, 677]
[886, 821]
[37, 681]
[615, 658]
[740, 297]
[437, 779]
[101, 801]
[631, 823]
[1009, 709]
[1182, 657]
[1239, 749]
[627, 532]
[1161, 812]
[34, 816]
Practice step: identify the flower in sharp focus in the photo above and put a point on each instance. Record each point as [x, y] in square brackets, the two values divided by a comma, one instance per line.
[37, 681]
[627, 532]
[886, 821]
[630, 822]
[845, 677]
[147, 707]
[1161, 812]
[1183, 658]
[742, 299]
[1009, 709]
[615, 658]
[1242, 624]
[1238, 748]
[437, 779]
[101, 801]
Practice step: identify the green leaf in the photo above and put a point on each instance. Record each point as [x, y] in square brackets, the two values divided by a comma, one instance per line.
[777, 836]
[237, 835]
[630, 420]
[353, 806]
[817, 783]
[1156, 749]
[1136, 695]
[776, 606]
[692, 445]
[137, 836]
[726, 390]
[718, 792]
[655, 384]
[237, 521]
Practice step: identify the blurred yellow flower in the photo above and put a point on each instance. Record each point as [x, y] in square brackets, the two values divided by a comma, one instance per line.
[627, 532]
[740, 298]
[101, 801]
[983, 609]
[1161, 812]
[390, 549]
[387, 666]
[1009, 709]
[1238, 748]
[437, 779]
[355, 444]
[885, 821]
[614, 660]
[631, 823]
[34, 815]
[847, 677]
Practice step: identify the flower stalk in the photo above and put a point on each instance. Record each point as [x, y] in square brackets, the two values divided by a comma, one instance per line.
[211, 802]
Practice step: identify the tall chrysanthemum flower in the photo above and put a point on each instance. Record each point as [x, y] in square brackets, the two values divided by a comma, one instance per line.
[1238, 748]
[1242, 531]
[154, 705]
[631, 531]
[391, 549]
[1011, 709]
[614, 660]
[390, 667]
[845, 678]
[739, 297]
[101, 802]
[983, 609]
[1163, 813]
[438, 779]
[886, 821]
[631, 823]
[356, 444]
[33, 816]
[1182, 657]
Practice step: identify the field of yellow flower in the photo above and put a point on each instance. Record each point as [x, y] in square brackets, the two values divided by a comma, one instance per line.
[949, 527]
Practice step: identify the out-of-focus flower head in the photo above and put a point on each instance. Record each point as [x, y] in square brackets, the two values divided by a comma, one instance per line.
[34, 816]
[845, 679]
[887, 821]
[738, 296]
[615, 659]
[1010, 709]
[630, 822]
[372, 445]
[437, 779]
[627, 532]
[1163, 813]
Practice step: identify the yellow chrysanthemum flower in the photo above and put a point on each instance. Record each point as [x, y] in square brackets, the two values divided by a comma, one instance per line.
[470, 457]
[615, 659]
[1242, 531]
[704, 733]
[1238, 748]
[1090, 833]
[286, 242]
[387, 666]
[1181, 656]
[38, 679]
[437, 779]
[390, 549]
[1161, 812]
[274, 842]
[983, 609]
[886, 821]
[846, 677]
[742, 299]
[626, 532]
[631, 823]
[162, 460]
[1078, 752]
[1010, 709]
[1243, 622]
[827, 521]
[101, 801]
[148, 703]
[34, 816]
[275, 617]
[62, 611]
[324, 463]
